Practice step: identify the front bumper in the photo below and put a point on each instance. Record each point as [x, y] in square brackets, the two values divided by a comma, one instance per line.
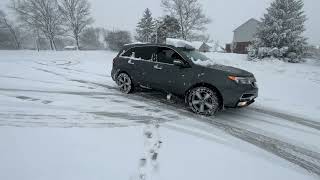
[240, 97]
[247, 99]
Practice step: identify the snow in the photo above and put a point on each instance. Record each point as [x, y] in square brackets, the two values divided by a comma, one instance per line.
[178, 42]
[62, 117]
[204, 63]
[197, 44]
[70, 47]
[134, 43]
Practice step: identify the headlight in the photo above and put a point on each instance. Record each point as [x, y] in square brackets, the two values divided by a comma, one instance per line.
[242, 80]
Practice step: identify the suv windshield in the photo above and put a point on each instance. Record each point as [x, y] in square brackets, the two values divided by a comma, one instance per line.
[195, 55]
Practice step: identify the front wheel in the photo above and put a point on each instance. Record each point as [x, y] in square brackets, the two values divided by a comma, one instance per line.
[203, 101]
[125, 83]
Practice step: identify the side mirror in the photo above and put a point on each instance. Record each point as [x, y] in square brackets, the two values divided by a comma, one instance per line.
[178, 62]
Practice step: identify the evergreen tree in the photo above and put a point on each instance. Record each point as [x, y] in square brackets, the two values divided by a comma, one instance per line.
[281, 32]
[145, 27]
[168, 27]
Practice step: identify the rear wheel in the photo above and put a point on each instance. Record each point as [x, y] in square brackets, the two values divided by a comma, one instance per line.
[125, 83]
[203, 101]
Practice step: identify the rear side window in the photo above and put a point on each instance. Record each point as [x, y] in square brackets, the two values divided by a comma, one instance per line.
[143, 53]
[129, 53]
[167, 55]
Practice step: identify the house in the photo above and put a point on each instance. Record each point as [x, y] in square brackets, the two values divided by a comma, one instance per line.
[243, 36]
[201, 46]
[205, 47]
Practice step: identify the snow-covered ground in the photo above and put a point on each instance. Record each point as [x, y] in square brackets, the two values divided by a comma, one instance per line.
[62, 117]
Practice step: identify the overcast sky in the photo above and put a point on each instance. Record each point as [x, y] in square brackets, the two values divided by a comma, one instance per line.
[226, 15]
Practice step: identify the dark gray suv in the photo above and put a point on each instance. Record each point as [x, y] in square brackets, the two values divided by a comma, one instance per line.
[181, 71]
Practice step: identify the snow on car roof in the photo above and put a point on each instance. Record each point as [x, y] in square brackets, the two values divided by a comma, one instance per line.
[179, 43]
[70, 47]
[197, 44]
[133, 43]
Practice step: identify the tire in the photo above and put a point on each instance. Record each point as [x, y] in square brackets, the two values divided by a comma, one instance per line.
[125, 83]
[203, 101]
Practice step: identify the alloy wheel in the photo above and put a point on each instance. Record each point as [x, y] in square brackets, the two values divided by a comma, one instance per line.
[203, 101]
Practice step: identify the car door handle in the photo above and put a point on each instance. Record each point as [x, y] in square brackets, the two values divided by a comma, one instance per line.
[130, 62]
[157, 67]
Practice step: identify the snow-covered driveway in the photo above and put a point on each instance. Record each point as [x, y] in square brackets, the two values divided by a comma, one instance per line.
[62, 117]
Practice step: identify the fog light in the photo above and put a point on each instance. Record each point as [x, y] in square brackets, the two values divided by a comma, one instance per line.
[242, 103]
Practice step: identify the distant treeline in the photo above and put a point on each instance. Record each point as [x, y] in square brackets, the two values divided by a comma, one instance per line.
[51, 25]
[56, 24]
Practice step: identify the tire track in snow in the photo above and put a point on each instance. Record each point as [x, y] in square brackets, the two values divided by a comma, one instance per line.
[81, 93]
[80, 120]
[66, 66]
[77, 80]
[300, 156]
[258, 117]
[295, 119]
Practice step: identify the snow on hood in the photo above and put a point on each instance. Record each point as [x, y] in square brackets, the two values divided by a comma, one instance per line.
[205, 63]
[232, 70]
[211, 64]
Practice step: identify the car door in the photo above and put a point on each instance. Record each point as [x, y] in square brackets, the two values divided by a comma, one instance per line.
[139, 61]
[127, 62]
[166, 75]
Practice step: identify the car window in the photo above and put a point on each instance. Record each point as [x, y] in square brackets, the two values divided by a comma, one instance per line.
[144, 53]
[129, 53]
[167, 55]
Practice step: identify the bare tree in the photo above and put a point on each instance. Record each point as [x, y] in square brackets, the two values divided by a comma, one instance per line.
[41, 16]
[90, 39]
[116, 39]
[201, 37]
[76, 16]
[6, 24]
[189, 14]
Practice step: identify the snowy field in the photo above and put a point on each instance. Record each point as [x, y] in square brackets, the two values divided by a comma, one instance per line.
[62, 117]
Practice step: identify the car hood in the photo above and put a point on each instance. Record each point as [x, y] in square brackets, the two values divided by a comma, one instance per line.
[231, 70]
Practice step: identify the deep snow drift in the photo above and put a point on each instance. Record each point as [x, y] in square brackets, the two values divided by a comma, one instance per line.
[62, 117]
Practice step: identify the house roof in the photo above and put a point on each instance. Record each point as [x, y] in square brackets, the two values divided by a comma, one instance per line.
[252, 19]
[197, 44]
